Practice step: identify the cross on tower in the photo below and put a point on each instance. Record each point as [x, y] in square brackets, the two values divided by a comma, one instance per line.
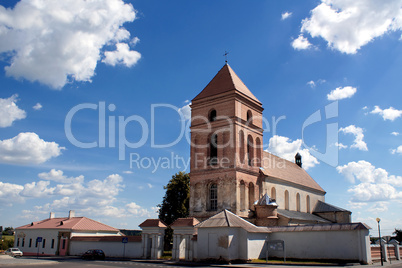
[226, 56]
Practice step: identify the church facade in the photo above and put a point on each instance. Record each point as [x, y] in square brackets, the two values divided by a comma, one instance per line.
[230, 170]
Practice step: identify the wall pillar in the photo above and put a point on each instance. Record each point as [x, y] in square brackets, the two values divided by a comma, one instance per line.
[384, 252]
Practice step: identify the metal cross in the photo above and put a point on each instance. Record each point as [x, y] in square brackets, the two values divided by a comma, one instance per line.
[226, 56]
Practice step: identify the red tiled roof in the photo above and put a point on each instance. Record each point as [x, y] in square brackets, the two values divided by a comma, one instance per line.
[106, 238]
[183, 222]
[75, 223]
[277, 167]
[224, 81]
[153, 223]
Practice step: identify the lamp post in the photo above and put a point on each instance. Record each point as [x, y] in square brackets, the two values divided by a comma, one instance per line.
[379, 236]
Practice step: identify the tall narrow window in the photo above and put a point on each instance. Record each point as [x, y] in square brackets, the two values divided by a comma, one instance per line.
[258, 156]
[52, 243]
[251, 195]
[212, 115]
[18, 242]
[242, 196]
[64, 244]
[213, 150]
[23, 242]
[241, 147]
[250, 150]
[249, 117]
[298, 202]
[213, 197]
[308, 203]
[30, 242]
[273, 193]
[286, 200]
[36, 244]
[43, 243]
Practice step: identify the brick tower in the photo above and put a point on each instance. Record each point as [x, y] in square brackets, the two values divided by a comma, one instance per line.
[226, 147]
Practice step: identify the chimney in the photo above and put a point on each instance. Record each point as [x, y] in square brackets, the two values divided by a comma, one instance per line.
[71, 214]
[51, 215]
[298, 160]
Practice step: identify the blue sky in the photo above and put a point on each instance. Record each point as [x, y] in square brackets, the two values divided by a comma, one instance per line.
[296, 57]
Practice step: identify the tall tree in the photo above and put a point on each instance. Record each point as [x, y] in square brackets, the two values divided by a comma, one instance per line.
[398, 234]
[175, 203]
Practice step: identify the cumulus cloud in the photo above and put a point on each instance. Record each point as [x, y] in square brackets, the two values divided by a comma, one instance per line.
[9, 111]
[56, 42]
[58, 176]
[137, 210]
[286, 15]
[387, 114]
[27, 148]
[374, 184]
[348, 25]
[301, 43]
[186, 111]
[395, 133]
[341, 93]
[287, 149]
[10, 193]
[397, 150]
[37, 106]
[358, 133]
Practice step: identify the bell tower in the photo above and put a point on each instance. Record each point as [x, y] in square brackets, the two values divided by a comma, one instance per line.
[226, 147]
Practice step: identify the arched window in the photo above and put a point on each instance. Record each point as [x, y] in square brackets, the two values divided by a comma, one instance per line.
[242, 196]
[251, 195]
[213, 197]
[258, 157]
[241, 146]
[273, 193]
[308, 203]
[249, 117]
[298, 202]
[212, 115]
[286, 200]
[213, 150]
[250, 150]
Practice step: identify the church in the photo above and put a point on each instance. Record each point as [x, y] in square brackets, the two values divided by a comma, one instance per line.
[230, 170]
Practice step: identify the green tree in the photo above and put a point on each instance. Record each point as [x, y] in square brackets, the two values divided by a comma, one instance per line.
[175, 203]
[8, 231]
[398, 234]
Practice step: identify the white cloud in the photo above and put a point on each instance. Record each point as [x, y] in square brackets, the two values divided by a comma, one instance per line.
[374, 184]
[37, 189]
[137, 210]
[395, 133]
[301, 43]
[28, 148]
[10, 193]
[186, 111]
[286, 15]
[287, 149]
[56, 42]
[387, 114]
[349, 25]
[58, 176]
[358, 132]
[397, 150]
[379, 207]
[340, 145]
[122, 55]
[9, 111]
[150, 186]
[341, 93]
[313, 84]
[37, 106]
[127, 172]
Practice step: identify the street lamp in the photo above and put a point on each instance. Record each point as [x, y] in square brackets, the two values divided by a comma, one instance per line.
[379, 236]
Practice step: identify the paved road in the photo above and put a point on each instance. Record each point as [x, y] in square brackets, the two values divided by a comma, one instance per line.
[7, 261]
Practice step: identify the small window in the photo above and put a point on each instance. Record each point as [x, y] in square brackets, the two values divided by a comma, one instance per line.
[23, 242]
[64, 244]
[52, 243]
[36, 244]
[18, 242]
[213, 197]
[44, 243]
[30, 242]
[212, 116]
[249, 116]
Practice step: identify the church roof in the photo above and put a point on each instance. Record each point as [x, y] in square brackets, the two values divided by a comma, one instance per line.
[225, 80]
[225, 218]
[184, 222]
[325, 207]
[153, 223]
[74, 223]
[321, 227]
[301, 216]
[265, 200]
[285, 170]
